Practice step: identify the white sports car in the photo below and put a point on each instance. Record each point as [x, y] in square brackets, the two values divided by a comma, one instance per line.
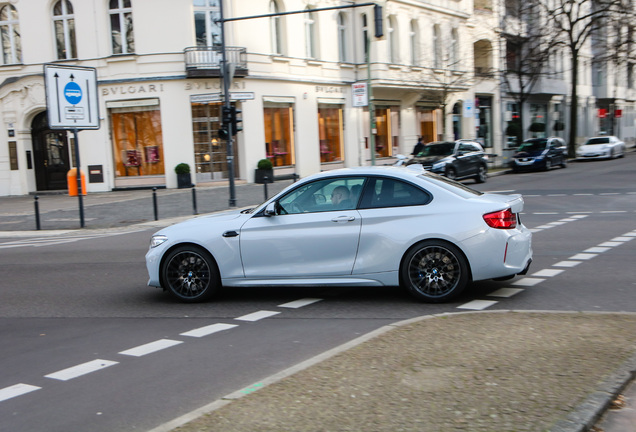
[604, 147]
[361, 226]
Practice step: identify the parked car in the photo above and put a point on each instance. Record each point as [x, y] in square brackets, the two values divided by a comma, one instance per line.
[603, 147]
[540, 154]
[366, 226]
[456, 160]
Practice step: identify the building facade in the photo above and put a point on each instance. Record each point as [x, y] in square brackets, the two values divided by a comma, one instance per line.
[433, 74]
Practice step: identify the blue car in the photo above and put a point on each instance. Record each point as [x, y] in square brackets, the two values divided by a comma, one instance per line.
[540, 154]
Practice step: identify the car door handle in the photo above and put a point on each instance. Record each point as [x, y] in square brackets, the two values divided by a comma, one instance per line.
[230, 234]
[343, 219]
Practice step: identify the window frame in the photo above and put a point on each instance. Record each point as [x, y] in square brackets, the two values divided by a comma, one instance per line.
[12, 25]
[69, 45]
[126, 37]
[210, 13]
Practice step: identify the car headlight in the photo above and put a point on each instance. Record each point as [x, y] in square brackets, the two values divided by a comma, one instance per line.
[156, 240]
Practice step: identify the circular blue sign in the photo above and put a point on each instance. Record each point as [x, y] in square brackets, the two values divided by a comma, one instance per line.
[73, 93]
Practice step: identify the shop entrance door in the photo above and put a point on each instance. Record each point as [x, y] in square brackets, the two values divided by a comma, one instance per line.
[50, 155]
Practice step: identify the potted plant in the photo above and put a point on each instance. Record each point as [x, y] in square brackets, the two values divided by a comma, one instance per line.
[537, 127]
[264, 172]
[183, 175]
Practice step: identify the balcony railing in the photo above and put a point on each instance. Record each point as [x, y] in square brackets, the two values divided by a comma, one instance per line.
[205, 62]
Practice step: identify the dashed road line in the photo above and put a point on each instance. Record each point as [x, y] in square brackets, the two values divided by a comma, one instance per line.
[256, 316]
[16, 390]
[300, 303]
[151, 347]
[82, 369]
[208, 330]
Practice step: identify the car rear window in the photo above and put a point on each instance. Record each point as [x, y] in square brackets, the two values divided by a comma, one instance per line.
[451, 185]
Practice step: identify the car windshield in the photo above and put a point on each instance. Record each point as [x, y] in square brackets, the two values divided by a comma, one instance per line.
[533, 145]
[593, 141]
[440, 149]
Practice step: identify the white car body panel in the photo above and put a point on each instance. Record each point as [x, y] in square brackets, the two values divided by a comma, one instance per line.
[613, 148]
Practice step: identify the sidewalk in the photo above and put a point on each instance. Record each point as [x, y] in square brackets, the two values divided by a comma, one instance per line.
[122, 208]
[499, 371]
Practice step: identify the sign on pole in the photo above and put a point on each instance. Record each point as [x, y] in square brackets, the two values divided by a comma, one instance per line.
[71, 97]
[360, 94]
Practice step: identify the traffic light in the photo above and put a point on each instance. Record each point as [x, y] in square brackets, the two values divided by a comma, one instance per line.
[223, 133]
[377, 14]
[236, 120]
[226, 121]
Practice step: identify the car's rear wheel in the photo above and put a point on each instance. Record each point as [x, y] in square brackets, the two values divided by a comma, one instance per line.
[434, 271]
[190, 274]
[451, 173]
[548, 165]
[481, 175]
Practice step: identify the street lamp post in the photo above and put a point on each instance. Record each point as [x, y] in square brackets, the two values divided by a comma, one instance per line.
[225, 77]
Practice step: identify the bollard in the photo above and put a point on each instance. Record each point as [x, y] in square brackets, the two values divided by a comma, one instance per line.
[265, 181]
[37, 212]
[194, 201]
[154, 202]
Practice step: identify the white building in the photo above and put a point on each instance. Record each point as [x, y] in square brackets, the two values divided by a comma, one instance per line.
[432, 75]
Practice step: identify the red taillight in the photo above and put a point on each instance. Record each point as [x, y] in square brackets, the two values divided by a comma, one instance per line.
[504, 219]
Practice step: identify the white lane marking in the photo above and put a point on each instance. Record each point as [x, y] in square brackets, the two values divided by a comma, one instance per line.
[577, 215]
[151, 347]
[208, 330]
[609, 193]
[546, 213]
[300, 303]
[613, 211]
[630, 234]
[505, 292]
[567, 264]
[556, 195]
[82, 369]
[583, 256]
[557, 223]
[16, 390]
[597, 250]
[622, 239]
[534, 230]
[527, 282]
[568, 220]
[548, 273]
[610, 244]
[584, 194]
[545, 226]
[477, 304]
[257, 316]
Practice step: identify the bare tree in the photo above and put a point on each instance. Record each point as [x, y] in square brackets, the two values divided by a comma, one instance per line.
[577, 21]
[527, 44]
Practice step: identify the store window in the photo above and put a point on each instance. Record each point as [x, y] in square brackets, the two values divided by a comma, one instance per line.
[330, 133]
[430, 121]
[457, 121]
[121, 27]
[210, 152]
[513, 125]
[64, 24]
[10, 31]
[137, 140]
[538, 114]
[387, 131]
[279, 137]
[484, 121]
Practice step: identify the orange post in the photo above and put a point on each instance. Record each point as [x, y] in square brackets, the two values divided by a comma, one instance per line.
[71, 181]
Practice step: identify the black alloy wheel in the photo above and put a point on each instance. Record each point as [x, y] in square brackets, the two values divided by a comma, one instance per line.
[190, 274]
[434, 271]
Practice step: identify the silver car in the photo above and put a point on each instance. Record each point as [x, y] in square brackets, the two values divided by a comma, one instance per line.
[366, 226]
[603, 147]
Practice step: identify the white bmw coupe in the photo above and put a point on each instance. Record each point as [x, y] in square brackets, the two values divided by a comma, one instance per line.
[382, 226]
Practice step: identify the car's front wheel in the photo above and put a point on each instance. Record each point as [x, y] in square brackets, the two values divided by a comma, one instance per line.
[190, 274]
[451, 173]
[481, 175]
[434, 271]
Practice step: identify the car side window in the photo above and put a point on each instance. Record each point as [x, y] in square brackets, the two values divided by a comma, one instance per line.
[385, 192]
[331, 194]
[465, 148]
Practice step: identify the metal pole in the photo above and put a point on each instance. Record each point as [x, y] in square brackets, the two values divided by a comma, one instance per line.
[154, 202]
[194, 201]
[78, 172]
[37, 213]
[225, 77]
[372, 125]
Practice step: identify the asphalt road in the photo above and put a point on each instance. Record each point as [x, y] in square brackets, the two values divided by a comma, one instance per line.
[94, 349]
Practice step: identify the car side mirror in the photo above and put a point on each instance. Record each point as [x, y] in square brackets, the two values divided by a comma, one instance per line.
[270, 210]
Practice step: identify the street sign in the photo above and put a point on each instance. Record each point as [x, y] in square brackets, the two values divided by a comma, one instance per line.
[71, 97]
[359, 94]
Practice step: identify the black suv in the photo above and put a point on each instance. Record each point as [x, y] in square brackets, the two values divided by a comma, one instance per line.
[456, 160]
